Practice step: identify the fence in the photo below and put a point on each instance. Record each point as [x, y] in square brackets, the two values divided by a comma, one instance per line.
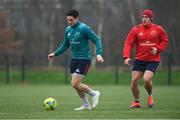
[23, 65]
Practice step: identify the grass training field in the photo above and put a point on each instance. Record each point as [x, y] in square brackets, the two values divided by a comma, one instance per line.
[100, 77]
[26, 102]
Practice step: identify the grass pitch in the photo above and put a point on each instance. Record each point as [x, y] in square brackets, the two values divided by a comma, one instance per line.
[26, 102]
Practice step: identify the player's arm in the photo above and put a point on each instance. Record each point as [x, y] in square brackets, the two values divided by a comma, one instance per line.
[163, 40]
[63, 47]
[129, 43]
[96, 40]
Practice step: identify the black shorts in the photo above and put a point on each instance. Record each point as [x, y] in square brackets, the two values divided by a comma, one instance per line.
[145, 65]
[80, 66]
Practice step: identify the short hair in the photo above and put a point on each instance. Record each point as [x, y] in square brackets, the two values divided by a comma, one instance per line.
[73, 13]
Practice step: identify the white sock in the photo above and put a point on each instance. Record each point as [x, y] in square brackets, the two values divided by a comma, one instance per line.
[137, 100]
[85, 101]
[92, 92]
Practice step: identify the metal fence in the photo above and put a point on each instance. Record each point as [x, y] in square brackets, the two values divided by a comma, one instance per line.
[20, 62]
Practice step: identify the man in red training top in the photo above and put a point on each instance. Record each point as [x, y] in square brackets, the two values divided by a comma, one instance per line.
[150, 40]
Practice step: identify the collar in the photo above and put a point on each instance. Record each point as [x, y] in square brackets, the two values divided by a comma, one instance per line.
[76, 24]
[148, 25]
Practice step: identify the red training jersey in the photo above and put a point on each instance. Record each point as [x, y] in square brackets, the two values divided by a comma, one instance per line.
[144, 38]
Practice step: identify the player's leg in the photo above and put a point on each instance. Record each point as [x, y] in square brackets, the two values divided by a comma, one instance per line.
[75, 82]
[82, 88]
[93, 93]
[137, 73]
[79, 72]
[148, 83]
[83, 68]
[136, 76]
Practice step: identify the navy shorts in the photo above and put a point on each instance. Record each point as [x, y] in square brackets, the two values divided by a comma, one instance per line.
[80, 66]
[145, 65]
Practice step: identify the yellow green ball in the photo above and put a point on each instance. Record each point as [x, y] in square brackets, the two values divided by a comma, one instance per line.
[50, 103]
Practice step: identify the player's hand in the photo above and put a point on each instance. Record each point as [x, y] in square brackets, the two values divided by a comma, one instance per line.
[127, 61]
[51, 55]
[154, 50]
[100, 59]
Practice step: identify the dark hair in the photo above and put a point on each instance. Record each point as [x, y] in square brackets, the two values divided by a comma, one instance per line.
[73, 13]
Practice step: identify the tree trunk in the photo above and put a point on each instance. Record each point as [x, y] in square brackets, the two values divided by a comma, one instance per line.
[100, 29]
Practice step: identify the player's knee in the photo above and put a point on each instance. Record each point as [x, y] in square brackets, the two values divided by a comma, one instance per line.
[146, 79]
[74, 84]
[135, 81]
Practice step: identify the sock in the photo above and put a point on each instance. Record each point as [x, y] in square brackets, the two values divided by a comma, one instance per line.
[136, 100]
[85, 101]
[92, 92]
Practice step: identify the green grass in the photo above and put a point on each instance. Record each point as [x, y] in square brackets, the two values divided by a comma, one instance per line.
[94, 77]
[26, 102]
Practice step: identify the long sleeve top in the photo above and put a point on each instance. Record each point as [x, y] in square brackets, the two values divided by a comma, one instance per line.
[144, 38]
[78, 37]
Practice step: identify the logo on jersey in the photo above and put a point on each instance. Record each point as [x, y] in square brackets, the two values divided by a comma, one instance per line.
[141, 34]
[74, 42]
[153, 33]
[69, 34]
[77, 34]
[147, 43]
[74, 39]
